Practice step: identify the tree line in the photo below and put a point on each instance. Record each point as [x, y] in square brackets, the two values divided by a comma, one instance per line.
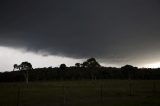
[89, 69]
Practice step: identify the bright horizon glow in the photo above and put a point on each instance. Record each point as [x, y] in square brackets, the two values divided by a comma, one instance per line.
[153, 65]
[10, 56]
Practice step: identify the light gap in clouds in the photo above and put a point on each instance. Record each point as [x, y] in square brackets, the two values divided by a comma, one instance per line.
[10, 56]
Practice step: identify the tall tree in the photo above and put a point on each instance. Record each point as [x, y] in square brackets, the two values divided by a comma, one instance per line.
[91, 63]
[63, 67]
[128, 70]
[25, 67]
[77, 65]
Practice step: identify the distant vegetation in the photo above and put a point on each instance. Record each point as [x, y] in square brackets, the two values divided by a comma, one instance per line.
[89, 69]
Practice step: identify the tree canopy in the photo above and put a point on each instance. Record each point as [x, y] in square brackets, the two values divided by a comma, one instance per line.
[91, 63]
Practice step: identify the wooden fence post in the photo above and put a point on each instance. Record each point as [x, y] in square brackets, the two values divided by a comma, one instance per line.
[154, 87]
[101, 93]
[130, 88]
[18, 96]
[64, 95]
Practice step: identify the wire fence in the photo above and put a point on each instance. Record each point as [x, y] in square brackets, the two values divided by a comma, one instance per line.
[72, 94]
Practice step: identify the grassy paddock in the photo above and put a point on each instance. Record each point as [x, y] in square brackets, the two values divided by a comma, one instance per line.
[78, 93]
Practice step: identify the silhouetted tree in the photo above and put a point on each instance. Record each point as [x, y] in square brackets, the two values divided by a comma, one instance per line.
[63, 67]
[85, 64]
[91, 63]
[89, 69]
[77, 65]
[25, 67]
[15, 66]
[128, 70]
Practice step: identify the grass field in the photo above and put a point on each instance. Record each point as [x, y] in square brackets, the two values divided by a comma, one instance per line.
[81, 93]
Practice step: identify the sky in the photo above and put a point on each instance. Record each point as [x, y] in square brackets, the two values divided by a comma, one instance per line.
[115, 32]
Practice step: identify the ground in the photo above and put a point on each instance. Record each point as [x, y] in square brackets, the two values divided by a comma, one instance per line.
[82, 93]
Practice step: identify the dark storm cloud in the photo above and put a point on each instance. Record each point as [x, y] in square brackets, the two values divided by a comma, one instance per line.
[115, 31]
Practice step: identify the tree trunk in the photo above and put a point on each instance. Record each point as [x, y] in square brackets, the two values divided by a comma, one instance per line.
[26, 76]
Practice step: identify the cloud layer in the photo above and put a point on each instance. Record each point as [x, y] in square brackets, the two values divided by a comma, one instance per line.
[113, 31]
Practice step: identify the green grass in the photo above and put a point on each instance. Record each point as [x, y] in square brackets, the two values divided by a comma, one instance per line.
[81, 93]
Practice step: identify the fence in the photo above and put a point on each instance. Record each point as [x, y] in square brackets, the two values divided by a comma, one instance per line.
[78, 93]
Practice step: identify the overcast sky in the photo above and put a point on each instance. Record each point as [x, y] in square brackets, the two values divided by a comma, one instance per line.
[116, 32]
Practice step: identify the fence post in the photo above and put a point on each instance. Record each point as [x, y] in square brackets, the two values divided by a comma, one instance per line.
[64, 95]
[101, 93]
[18, 96]
[130, 87]
[154, 87]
